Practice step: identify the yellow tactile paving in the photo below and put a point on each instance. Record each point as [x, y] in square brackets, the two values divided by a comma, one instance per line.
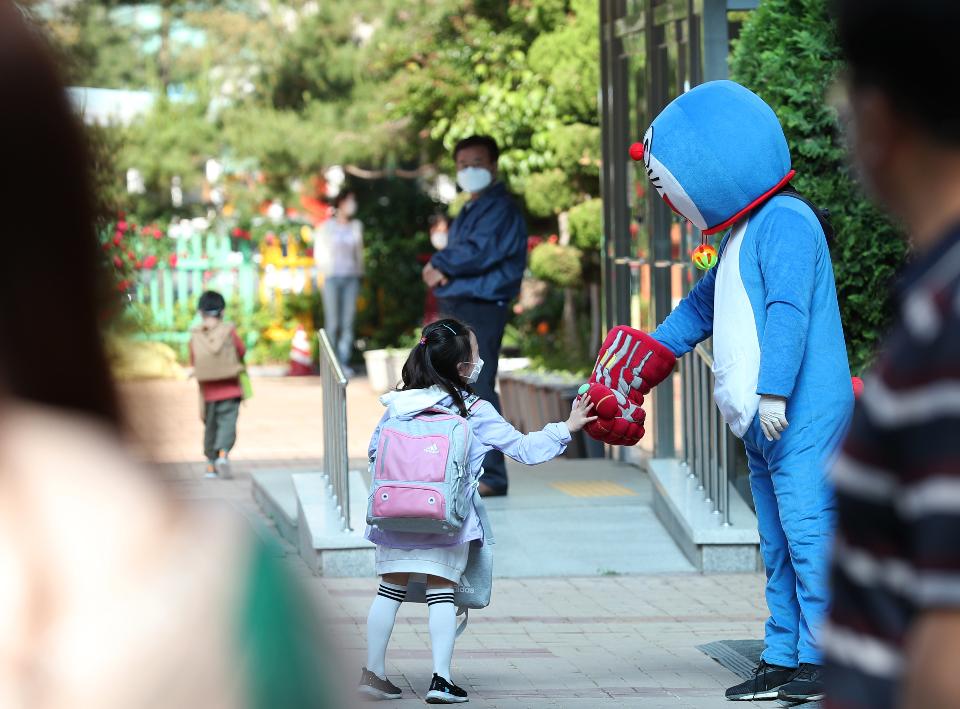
[593, 488]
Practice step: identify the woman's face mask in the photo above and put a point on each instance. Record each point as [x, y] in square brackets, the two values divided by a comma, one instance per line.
[474, 179]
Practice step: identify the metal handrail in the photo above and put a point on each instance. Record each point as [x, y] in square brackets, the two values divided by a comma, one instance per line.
[335, 455]
[706, 444]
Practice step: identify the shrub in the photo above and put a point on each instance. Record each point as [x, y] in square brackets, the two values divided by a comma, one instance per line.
[788, 54]
[549, 193]
[586, 224]
[557, 264]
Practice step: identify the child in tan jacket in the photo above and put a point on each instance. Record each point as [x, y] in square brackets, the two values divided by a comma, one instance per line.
[216, 352]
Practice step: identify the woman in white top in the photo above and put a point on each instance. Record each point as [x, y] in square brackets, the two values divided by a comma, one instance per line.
[339, 256]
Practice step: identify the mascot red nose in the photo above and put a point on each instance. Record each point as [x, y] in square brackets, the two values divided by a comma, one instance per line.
[629, 365]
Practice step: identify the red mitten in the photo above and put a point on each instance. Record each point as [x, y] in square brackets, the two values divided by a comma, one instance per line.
[630, 363]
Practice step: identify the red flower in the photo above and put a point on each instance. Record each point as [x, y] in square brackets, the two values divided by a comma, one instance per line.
[118, 262]
[121, 226]
[533, 242]
[132, 256]
[150, 261]
[237, 231]
[117, 238]
[173, 260]
[157, 233]
[138, 263]
[105, 246]
[123, 285]
[553, 239]
[634, 228]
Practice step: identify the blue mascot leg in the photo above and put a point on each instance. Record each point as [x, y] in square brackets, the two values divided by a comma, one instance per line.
[807, 515]
[783, 626]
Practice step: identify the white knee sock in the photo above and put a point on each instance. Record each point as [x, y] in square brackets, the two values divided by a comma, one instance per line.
[443, 629]
[383, 613]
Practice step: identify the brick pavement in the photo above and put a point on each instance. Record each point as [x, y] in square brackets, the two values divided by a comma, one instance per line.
[602, 641]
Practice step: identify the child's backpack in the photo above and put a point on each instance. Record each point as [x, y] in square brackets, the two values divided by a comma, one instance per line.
[214, 353]
[421, 472]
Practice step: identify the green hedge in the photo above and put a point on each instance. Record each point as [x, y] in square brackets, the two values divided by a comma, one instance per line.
[549, 193]
[557, 264]
[586, 224]
[787, 53]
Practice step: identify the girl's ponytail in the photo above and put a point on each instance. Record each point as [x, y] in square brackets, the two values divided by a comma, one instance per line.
[435, 361]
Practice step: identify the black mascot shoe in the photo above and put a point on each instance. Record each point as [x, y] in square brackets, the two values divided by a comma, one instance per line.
[765, 683]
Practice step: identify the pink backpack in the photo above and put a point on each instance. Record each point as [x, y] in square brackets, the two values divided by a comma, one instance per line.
[421, 476]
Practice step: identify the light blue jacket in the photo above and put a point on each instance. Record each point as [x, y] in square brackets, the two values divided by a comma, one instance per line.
[490, 431]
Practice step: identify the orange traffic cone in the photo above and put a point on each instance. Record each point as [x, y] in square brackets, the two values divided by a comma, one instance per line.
[301, 358]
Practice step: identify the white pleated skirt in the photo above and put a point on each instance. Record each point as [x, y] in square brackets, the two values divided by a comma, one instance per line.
[445, 562]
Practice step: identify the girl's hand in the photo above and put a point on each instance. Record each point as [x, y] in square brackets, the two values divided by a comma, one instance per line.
[580, 414]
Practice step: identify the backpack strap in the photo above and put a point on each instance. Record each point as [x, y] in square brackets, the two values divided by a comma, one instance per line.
[822, 215]
[472, 403]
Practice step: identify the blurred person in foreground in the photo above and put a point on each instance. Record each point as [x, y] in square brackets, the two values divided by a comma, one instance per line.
[113, 595]
[479, 271]
[893, 639]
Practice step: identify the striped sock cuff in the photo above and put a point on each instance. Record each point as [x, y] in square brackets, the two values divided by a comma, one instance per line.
[440, 595]
[393, 592]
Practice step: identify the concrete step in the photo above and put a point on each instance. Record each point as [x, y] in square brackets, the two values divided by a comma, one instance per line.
[698, 531]
[301, 505]
[273, 490]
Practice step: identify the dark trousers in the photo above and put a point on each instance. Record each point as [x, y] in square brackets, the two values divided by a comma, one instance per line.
[220, 432]
[488, 319]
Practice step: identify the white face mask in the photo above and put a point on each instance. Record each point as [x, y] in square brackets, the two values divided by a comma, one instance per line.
[474, 179]
[475, 372]
[349, 208]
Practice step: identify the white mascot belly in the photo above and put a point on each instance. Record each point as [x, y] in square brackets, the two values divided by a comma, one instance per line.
[736, 347]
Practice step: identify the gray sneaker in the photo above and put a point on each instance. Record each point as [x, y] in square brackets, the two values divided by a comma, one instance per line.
[222, 466]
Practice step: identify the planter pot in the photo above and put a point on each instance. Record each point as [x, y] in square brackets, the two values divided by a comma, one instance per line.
[378, 369]
[384, 368]
[531, 401]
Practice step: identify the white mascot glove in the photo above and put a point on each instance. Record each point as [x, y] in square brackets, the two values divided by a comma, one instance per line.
[773, 416]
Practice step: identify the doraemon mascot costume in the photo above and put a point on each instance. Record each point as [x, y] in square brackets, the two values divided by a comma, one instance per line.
[718, 157]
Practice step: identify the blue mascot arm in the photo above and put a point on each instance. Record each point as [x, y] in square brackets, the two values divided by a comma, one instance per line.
[692, 320]
[787, 250]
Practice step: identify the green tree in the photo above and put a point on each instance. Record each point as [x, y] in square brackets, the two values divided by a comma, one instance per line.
[788, 54]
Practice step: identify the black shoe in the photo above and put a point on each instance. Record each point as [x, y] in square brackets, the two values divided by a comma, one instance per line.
[765, 684]
[806, 686]
[490, 491]
[444, 692]
[373, 687]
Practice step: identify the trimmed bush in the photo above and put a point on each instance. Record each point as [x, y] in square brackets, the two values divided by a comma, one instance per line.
[549, 193]
[557, 264]
[586, 224]
[787, 53]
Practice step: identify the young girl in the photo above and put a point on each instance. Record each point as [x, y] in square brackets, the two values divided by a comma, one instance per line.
[440, 371]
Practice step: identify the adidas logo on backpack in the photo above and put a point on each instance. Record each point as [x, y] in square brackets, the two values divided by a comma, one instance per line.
[421, 476]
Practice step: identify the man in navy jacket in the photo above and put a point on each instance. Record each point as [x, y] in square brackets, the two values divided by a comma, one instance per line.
[479, 272]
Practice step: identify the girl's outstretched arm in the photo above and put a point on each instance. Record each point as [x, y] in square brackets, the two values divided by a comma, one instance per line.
[533, 448]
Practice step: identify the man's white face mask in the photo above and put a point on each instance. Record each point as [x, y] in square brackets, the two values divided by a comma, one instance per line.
[474, 179]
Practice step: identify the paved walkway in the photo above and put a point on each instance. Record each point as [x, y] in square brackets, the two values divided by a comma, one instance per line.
[617, 627]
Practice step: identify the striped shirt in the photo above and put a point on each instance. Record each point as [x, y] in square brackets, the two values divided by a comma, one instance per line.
[897, 550]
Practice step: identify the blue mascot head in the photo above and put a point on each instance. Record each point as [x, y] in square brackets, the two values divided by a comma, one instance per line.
[715, 153]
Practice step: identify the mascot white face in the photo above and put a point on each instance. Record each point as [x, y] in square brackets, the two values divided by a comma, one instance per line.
[668, 187]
